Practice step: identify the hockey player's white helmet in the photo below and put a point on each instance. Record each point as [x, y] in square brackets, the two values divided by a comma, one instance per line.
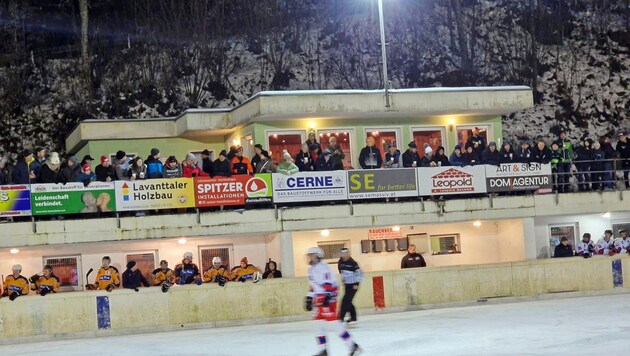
[315, 250]
[216, 260]
[17, 268]
[188, 255]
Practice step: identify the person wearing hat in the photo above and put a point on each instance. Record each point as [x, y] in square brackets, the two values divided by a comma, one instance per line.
[245, 272]
[26, 169]
[221, 166]
[606, 245]
[190, 168]
[583, 159]
[132, 278]
[107, 277]
[506, 154]
[217, 273]
[121, 165]
[490, 155]
[137, 169]
[105, 171]
[51, 170]
[87, 159]
[439, 158]
[45, 282]
[258, 150]
[206, 162]
[86, 176]
[325, 162]
[476, 141]
[163, 275]
[287, 167]
[523, 154]
[304, 159]
[70, 170]
[457, 159]
[370, 156]
[154, 165]
[351, 276]
[411, 158]
[172, 168]
[241, 164]
[427, 159]
[187, 272]
[264, 163]
[563, 249]
[392, 157]
[15, 284]
[622, 243]
[585, 248]
[623, 149]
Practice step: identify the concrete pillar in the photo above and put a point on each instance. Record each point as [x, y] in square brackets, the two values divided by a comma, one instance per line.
[286, 253]
[529, 233]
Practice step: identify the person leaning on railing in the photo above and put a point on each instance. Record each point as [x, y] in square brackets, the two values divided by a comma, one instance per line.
[557, 168]
[609, 165]
[623, 149]
[582, 160]
[597, 166]
[393, 157]
[563, 249]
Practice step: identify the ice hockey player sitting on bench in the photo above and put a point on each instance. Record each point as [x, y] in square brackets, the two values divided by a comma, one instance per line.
[46, 283]
[108, 277]
[187, 272]
[15, 284]
[216, 273]
[246, 271]
[163, 276]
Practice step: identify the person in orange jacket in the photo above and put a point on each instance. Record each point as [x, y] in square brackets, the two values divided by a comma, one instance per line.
[246, 271]
[240, 163]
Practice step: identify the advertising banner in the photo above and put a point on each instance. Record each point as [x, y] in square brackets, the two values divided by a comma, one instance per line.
[382, 183]
[155, 194]
[234, 190]
[310, 186]
[518, 176]
[15, 200]
[383, 233]
[451, 180]
[72, 198]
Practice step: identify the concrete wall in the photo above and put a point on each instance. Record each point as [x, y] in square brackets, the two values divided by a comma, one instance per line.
[74, 314]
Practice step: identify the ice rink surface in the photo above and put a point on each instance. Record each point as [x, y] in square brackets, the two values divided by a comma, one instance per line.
[568, 326]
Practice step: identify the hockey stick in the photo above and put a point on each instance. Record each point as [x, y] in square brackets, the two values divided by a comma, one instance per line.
[2, 286]
[87, 279]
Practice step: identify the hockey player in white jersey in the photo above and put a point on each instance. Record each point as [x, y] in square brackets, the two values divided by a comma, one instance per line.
[622, 243]
[606, 245]
[322, 300]
[585, 248]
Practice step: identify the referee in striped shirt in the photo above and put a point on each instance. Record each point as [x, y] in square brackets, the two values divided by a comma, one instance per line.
[351, 275]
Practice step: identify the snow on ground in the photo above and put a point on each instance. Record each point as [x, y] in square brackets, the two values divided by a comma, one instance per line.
[577, 326]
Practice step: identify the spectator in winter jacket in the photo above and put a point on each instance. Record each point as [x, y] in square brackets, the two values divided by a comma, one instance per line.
[314, 147]
[221, 166]
[51, 170]
[40, 155]
[523, 154]
[412, 259]
[172, 168]
[206, 162]
[132, 278]
[609, 165]
[70, 171]
[583, 157]
[325, 162]
[105, 171]
[411, 158]
[287, 167]
[240, 163]
[337, 153]
[4, 177]
[541, 153]
[623, 150]
[585, 248]
[427, 159]
[457, 159]
[258, 150]
[351, 276]
[272, 271]
[244, 272]
[87, 176]
[557, 168]
[121, 165]
[370, 156]
[137, 170]
[476, 142]
[392, 157]
[563, 249]
[87, 159]
[506, 155]
[439, 158]
[264, 164]
[304, 160]
[490, 155]
[190, 168]
[471, 157]
[187, 272]
[597, 167]
[566, 147]
[26, 171]
[154, 165]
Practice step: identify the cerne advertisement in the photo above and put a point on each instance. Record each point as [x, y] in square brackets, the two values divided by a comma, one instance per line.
[155, 194]
[451, 180]
[234, 190]
[518, 176]
[310, 186]
[382, 183]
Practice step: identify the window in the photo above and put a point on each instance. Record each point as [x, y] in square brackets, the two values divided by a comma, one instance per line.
[68, 270]
[284, 140]
[464, 132]
[144, 260]
[556, 232]
[332, 249]
[344, 141]
[434, 136]
[618, 226]
[209, 252]
[383, 137]
[445, 244]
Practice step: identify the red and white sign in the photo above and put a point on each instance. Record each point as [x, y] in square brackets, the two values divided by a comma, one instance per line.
[234, 190]
[451, 180]
[383, 233]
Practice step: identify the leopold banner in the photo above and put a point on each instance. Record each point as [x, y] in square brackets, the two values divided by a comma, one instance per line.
[234, 190]
[155, 194]
[382, 183]
[15, 200]
[451, 180]
[518, 176]
[310, 186]
[72, 198]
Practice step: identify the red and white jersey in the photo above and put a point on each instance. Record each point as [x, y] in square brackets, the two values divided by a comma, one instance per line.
[584, 248]
[622, 245]
[603, 247]
[322, 280]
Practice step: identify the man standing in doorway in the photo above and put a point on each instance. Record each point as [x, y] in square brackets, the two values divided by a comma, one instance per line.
[412, 259]
[351, 275]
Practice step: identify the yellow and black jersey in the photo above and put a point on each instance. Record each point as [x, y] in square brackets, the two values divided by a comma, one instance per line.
[49, 284]
[13, 284]
[240, 273]
[160, 276]
[108, 276]
[212, 273]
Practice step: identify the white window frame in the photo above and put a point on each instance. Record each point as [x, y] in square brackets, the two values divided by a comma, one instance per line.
[488, 125]
[230, 248]
[346, 243]
[576, 229]
[80, 281]
[269, 133]
[458, 241]
[397, 130]
[353, 145]
[442, 129]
